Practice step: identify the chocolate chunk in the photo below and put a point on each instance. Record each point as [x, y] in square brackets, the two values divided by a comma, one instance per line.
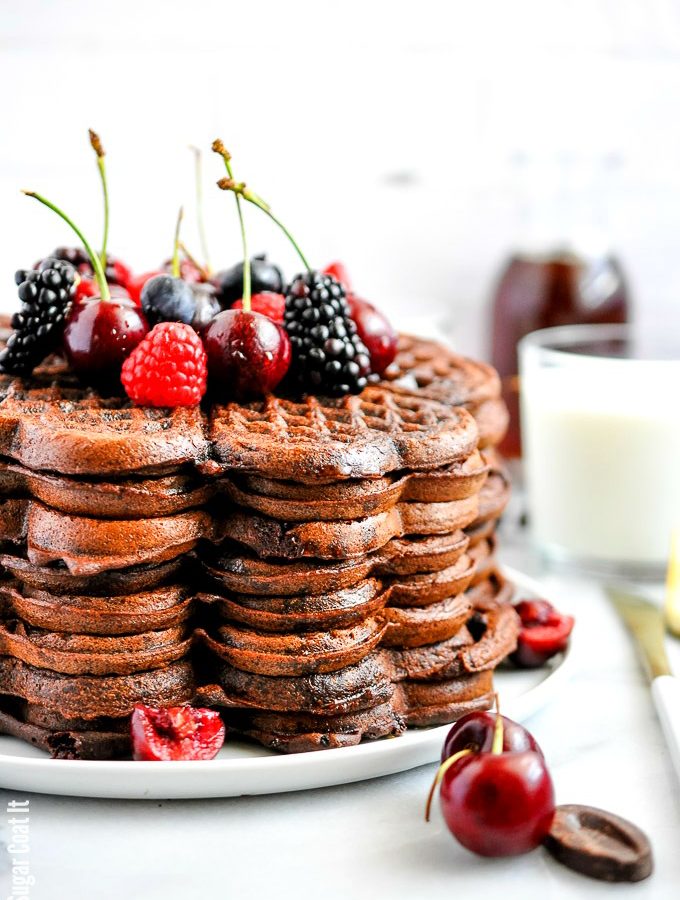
[599, 844]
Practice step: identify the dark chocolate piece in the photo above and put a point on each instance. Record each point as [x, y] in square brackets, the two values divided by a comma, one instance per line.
[599, 844]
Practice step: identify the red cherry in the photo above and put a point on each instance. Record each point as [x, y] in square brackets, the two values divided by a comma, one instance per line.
[188, 271]
[99, 335]
[179, 732]
[339, 272]
[476, 732]
[269, 304]
[544, 633]
[498, 804]
[136, 284]
[248, 354]
[376, 333]
[86, 287]
[117, 272]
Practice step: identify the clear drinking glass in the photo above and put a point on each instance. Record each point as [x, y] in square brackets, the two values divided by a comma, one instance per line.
[601, 430]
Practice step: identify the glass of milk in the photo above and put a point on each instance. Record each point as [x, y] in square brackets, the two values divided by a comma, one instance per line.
[601, 434]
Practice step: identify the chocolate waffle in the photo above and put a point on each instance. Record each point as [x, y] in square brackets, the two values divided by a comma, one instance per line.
[146, 611]
[92, 697]
[66, 738]
[337, 609]
[57, 579]
[87, 546]
[52, 423]
[131, 498]
[346, 539]
[356, 498]
[237, 570]
[301, 732]
[363, 685]
[428, 369]
[365, 436]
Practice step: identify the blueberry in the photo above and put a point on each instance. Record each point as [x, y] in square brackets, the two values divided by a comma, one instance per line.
[207, 305]
[168, 299]
[264, 276]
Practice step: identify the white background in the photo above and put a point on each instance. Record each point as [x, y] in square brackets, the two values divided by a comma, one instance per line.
[384, 133]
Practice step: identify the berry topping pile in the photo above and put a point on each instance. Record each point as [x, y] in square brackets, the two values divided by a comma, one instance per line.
[251, 331]
[328, 354]
[45, 297]
[175, 733]
[168, 368]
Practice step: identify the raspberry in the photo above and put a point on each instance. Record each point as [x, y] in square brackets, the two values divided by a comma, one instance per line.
[268, 303]
[168, 368]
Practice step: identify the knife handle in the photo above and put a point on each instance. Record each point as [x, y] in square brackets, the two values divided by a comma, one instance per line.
[666, 693]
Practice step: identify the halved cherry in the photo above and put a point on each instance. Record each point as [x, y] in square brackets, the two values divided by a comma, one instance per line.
[175, 733]
[545, 632]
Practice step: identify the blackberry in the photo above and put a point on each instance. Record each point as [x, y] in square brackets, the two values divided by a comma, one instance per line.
[45, 295]
[78, 258]
[328, 354]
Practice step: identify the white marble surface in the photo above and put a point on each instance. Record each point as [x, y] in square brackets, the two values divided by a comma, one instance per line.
[369, 840]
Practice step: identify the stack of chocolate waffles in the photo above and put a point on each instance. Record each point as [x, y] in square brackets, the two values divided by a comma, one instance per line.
[320, 570]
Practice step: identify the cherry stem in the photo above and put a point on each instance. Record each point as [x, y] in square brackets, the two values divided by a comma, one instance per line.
[205, 272]
[176, 271]
[95, 261]
[240, 189]
[441, 771]
[198, 168]
[219, 147]
[497, 745]
[96, 143]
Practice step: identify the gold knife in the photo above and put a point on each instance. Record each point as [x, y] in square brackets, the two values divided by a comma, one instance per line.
[672, 607]
[645, 621]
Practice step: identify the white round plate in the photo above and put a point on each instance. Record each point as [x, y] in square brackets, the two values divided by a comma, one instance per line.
[242, 768]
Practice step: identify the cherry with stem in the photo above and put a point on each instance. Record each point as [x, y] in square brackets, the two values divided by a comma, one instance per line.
[248, 353]
[497, 801]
